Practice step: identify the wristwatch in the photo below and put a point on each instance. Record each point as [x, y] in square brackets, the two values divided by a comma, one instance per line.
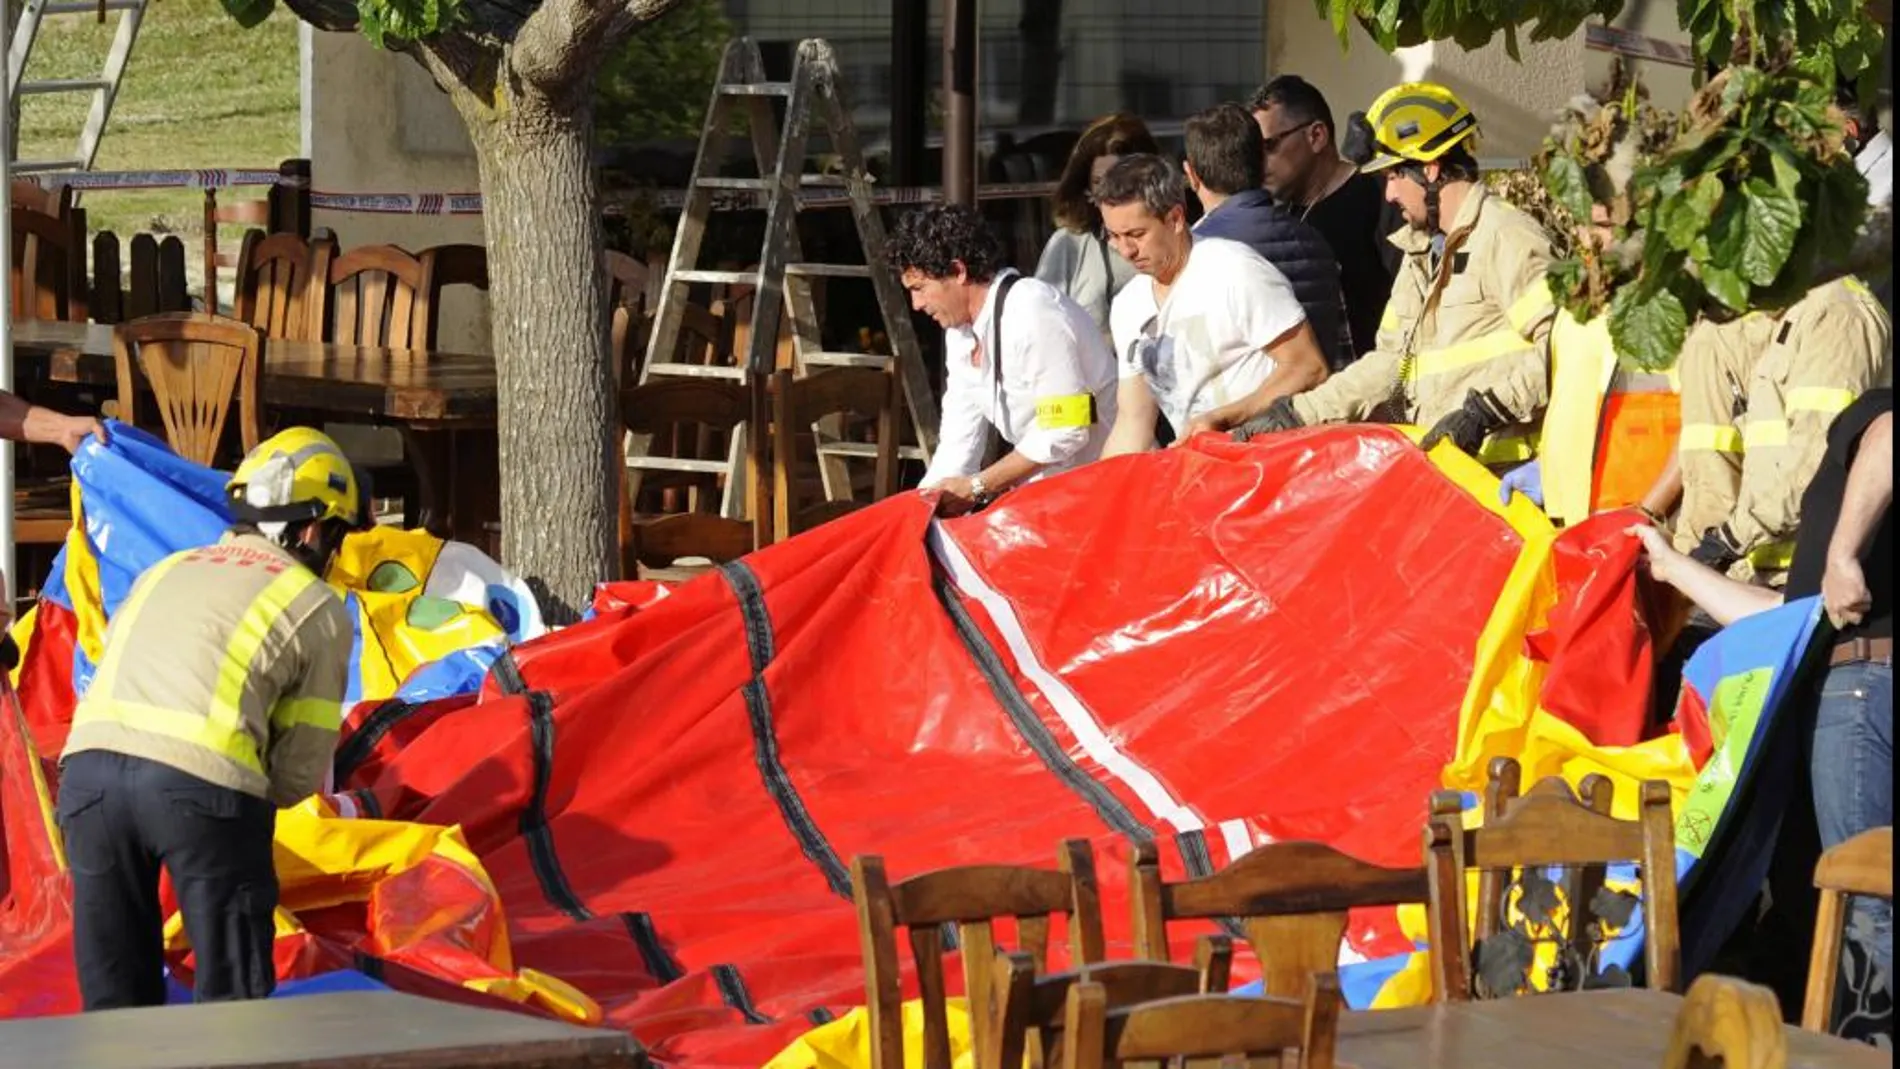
[979, 492]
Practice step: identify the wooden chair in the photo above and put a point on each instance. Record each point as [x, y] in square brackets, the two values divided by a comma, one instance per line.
[1863, 866]
[1029, 1012]
[1203, 1027]
[280, 284]
[1525, 835]
[49, 265]
[444, 266]
[193, 363]
[1290, 898]
[254, 213]
[376, 292]
[630, 308]
[797, 406]
[1726, 1023]
[971, 897]
[665, 547]
[672, 409]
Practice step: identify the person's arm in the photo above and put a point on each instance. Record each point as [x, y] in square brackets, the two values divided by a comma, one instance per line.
[1135, 414]
[24, 422]
[306, 719]
[1522, 382]
[1726, 600]
[1298, 366]
[962, 435]
[1863, 506]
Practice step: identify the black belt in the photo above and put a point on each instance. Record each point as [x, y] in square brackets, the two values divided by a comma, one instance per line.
[1855, 650]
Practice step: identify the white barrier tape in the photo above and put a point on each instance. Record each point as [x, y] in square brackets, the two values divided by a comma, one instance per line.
[216, 179]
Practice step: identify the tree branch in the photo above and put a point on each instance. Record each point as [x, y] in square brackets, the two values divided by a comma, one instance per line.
[557, 41]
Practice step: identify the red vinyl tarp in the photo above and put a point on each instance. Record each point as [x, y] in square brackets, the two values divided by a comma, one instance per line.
[1215, 645]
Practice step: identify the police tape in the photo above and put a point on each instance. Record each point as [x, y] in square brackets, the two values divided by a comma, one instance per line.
[471, 203]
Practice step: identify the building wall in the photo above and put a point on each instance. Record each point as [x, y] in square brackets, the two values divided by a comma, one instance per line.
[376, 123]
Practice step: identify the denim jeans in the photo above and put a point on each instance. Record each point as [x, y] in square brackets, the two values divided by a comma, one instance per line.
[1853, 781]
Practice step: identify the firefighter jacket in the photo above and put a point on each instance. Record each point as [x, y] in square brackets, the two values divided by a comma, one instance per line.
[1474, 317]
[1765, 392]
[229, 663]
[1609, 431]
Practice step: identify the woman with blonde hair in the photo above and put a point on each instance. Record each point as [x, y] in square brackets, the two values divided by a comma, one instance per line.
[1078, 259]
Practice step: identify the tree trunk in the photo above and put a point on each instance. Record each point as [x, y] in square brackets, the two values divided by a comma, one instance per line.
[556, 413]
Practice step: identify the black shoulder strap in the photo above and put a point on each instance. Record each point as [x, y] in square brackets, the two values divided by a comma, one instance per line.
[996, 326]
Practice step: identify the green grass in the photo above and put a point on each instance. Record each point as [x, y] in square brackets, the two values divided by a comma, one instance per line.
[199, 92]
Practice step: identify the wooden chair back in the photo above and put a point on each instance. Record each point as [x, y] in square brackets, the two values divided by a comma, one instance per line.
[1203, 1027]
[798, 403]
[1523, 835]
[629, 310]
[1026, 1026]
[663, 547]
[376, 293]
[1861, 866]
[281, 286]
[49, 265]
[970, 898]
[28, 194]
[1726, 1023]
[156, 283]
[1291, 899]
[444, 266]
[679, 411]
[195, 364]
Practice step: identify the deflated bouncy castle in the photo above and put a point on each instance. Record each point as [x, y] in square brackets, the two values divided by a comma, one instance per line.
[646, 820]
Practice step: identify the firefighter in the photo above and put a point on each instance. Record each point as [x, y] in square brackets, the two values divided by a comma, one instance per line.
[217, 699]
[1758, 395]
[1462, 347]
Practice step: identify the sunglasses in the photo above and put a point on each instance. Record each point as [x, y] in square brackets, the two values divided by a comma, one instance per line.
[1271, 143]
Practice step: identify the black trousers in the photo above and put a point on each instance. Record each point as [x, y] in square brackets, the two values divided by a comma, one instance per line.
[122, 817]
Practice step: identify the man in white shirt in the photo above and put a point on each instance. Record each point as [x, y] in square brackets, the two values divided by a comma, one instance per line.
[1020, 357]
[1207, 324]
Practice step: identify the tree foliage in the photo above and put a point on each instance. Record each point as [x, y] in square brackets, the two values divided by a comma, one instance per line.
[1744, 200]
[656, 85]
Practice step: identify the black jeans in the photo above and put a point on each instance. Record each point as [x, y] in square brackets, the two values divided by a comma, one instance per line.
[122, 817]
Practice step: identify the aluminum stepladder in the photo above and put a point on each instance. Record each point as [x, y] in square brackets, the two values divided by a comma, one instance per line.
[783, 279]
[104, 88]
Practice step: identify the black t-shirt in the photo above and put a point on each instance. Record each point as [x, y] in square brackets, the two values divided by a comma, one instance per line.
[1356, 221]
[1821, 510]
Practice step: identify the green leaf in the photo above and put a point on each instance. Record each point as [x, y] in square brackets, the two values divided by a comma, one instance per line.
[1787, 171]
[1565, 179]
[249, 13]
[1773, 222]
[1648, 329]
[1687, 214]
[1726, 285]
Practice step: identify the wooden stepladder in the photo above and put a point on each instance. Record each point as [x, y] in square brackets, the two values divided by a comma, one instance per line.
[783, 279]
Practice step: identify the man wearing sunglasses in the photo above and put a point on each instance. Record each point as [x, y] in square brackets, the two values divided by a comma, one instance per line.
[1305, 174]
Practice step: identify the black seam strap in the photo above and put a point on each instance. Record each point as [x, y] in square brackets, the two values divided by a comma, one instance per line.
[758, 705]
[1030, 726]
[534, 818]
[733, 993]
[377, 724]
[660, 963]
[508, 674]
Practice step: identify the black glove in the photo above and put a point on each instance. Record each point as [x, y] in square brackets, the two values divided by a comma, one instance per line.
[1717, 549]
[1279, 416]
[1473, 422]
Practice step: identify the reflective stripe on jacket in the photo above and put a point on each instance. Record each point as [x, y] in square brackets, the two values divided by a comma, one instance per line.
[1480, 321]
[227, 662]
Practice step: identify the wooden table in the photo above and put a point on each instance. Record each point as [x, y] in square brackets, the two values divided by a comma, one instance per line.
[431, 397]
[1623, 1029]
[359, 1030]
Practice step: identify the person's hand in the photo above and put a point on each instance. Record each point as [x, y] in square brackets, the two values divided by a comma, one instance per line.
[1280, 416]
[956, 496]
[70, 432]
[1844, 592]
[1661, 557]
[1468, 425]
[1207, 423]
[1526, 479]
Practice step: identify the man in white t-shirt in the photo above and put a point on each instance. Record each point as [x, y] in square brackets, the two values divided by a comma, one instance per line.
[1207, 324]
[1020, 357]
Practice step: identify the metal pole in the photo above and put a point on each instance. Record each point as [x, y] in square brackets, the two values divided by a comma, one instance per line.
[910, 44]
[6, 312]
[959, 83]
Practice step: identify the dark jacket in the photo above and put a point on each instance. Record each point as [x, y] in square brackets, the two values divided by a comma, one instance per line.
[1302, 255]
